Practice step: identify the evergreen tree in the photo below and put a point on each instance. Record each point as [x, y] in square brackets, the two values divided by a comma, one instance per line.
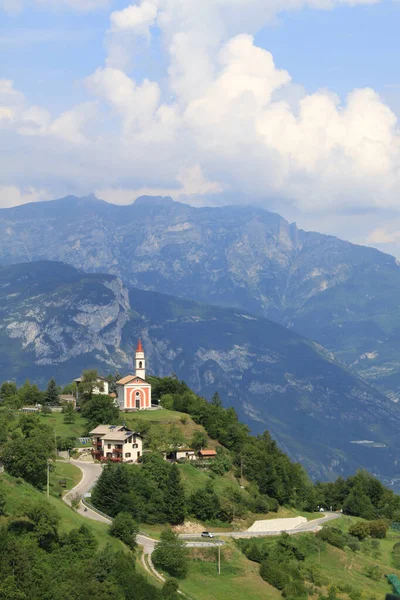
[52, 397]
[174, 497]
[216, 400]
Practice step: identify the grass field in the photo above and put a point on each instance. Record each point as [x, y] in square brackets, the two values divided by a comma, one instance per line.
[19, 493]
[56, 421]
[63, 471]
[345, 569]
[239, 578]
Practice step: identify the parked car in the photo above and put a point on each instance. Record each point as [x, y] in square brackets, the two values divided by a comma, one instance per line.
[207, 534]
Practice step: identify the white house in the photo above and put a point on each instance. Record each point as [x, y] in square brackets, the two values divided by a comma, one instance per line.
[116, 443]
[102, 386]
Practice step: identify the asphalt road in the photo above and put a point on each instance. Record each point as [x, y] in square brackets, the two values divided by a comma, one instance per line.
[305, 527]
[92, 471]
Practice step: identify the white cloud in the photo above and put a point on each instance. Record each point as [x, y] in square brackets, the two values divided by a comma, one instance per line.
[223, 117]
[382, 236]
[11, 195]
[135, 18]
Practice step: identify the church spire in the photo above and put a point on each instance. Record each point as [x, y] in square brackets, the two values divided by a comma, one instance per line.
[140, 361]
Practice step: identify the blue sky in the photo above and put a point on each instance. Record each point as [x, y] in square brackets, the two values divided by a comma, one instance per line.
[152, 96]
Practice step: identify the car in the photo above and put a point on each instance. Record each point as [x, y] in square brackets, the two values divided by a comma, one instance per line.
[207, 534]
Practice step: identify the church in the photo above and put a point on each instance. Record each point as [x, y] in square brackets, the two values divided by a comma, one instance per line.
[133, 391]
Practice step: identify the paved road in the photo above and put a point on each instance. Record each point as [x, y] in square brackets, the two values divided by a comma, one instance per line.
[309, 526]
[90, 473]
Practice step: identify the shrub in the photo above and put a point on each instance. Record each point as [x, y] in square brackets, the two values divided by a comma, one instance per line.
[294, 589]
[360, 530]
[373, 572]
[378, 528]
[274, 575]
[333, 536]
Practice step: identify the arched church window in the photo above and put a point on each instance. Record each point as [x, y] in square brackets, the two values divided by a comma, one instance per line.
[137, 393]
[140, 365]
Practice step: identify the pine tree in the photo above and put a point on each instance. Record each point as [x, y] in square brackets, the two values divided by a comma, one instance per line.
[52, 397]
[216, 400]
[174, 498]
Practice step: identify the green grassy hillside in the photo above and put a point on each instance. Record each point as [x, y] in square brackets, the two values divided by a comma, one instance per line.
[18, 493]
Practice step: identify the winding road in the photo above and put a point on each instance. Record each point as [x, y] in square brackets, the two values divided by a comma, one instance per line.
[92, 471]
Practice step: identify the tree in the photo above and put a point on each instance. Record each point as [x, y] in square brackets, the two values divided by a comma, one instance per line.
[46, 521]
[170, 555]
[216, 400]
[199, 440]
[30, 394]
[204, 504]
[378, 528]
[8, 389]
[27, 457]
[360, 530]
[100, 410]
[45, 410]
[170, 590]
[125, 529]
[69, 414]
[52, 397]
[174, 497]
[90, 381]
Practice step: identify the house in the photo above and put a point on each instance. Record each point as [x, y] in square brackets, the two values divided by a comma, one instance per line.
[181, 454]
[116, 443]
[67, 399]
[102, 386]
[133, 391]
[207, 454]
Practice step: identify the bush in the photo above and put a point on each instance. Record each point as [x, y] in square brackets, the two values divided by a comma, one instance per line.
[294, 589]
[378, 529]
[360, 530]
[274, 575]
[373, 572]
[333, 536]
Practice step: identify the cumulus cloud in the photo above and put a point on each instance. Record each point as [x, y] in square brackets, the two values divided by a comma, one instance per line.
[223, 118]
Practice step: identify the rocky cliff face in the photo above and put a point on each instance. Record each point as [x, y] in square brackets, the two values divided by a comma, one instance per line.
[343, 296]
[57, 321]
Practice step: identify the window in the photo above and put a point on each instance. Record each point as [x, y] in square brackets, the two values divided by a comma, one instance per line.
[109, 446]
[128, 455]
[138, 454]
[135, 445]
[137, 394]
[140, 365]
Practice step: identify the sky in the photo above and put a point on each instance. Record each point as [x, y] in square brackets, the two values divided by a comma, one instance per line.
[289, 104]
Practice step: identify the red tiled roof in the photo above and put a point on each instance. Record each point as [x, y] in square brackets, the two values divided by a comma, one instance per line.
[208, 453]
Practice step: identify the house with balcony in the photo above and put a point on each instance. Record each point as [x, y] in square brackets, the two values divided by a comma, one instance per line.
[116, 443]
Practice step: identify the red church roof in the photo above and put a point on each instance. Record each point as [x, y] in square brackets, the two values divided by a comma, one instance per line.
[139, 346]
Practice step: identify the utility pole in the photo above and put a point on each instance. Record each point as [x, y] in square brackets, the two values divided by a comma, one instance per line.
[219, 558]
[48, 479]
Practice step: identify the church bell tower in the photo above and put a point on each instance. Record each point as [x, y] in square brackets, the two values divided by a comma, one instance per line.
[140, 361]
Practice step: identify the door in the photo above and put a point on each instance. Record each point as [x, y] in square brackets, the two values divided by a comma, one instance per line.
[138, 402]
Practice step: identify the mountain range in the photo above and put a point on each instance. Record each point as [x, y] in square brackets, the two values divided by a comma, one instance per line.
[56, 320]
[341, 295]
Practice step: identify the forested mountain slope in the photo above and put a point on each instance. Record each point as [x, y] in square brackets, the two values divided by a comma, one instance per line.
[57, 321]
